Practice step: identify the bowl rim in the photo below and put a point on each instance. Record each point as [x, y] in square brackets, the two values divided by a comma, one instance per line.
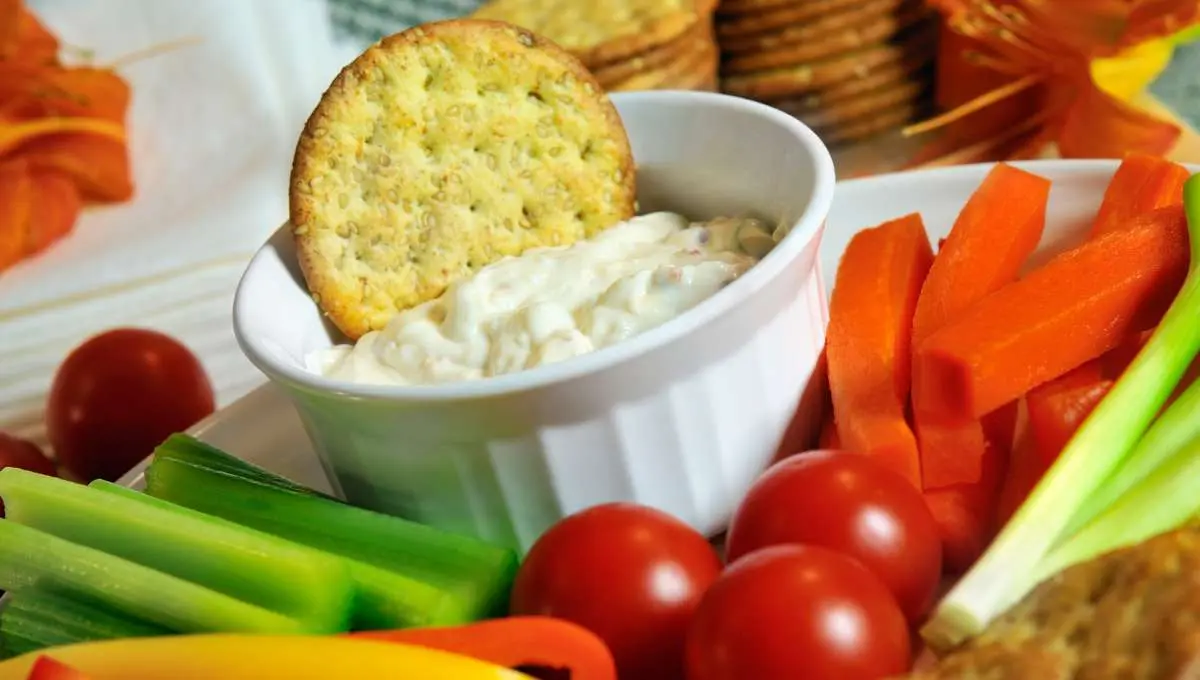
[804, 230]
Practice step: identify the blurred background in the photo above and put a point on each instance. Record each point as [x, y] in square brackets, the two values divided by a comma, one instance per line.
[175, 182]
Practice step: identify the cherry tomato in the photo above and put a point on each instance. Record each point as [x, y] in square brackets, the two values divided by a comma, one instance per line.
[120, 394]
[630, 574]
[849, 503]
[19, 453]
[794, 612]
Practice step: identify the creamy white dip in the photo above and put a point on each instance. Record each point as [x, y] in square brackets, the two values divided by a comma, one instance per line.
[551, 304]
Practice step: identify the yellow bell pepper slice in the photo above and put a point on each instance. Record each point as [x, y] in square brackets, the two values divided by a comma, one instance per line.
[254, 657]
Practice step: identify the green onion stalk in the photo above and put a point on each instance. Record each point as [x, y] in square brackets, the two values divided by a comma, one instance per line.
[1099, 450]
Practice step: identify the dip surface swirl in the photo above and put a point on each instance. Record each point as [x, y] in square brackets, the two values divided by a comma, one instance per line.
[552, 304]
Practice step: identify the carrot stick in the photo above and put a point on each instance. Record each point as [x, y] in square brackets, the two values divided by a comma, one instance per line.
[1142, 183]
[530, 644]
[1059, 407]
[1000, 427]
[1024, 471]
[1076, 307]
[965, 515]
[998, 228]
[1055, 410]
[869, 341]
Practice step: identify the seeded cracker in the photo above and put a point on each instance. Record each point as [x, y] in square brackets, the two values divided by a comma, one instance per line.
[443, 149]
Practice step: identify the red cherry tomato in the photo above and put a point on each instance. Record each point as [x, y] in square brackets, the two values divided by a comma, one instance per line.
[849, 503]
[120, 394]
[630, 574]
[19, 453]
[793, 612]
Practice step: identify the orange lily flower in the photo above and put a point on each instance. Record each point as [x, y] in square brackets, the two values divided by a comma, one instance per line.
[62, 137]
[1020, 77]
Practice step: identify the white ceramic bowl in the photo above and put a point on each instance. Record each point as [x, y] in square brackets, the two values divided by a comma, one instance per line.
[681, 418]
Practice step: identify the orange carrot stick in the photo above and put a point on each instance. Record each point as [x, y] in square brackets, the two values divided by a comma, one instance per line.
[1141, 183]
[965, 515]
[869, 340]
[1076, 307]
[1024, 471]
[543, 644]
[1059, 407]
[1056, 410]
[998, 228]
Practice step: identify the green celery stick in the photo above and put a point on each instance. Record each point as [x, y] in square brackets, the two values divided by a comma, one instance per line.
[16, 645]
[477, 573]
[383, 599]
[308, 586]
[38, 618]
[33, 559]
[188, 448]
[48, 619]
[1175, 429]
[1164, 500]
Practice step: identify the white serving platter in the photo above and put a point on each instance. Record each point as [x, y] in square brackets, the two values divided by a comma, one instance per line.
[263, 429]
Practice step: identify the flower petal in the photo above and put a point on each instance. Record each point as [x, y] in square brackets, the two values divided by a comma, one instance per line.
[99, 166]
[1098, 125]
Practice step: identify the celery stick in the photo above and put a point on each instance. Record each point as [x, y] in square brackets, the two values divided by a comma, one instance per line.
[1175, 429]
[1100, 446]
[477, 573]
[188, 448]
[15, 645]
[41, 618]
[383, 599]
[295, 581]
[30, 558]
[1164, 500]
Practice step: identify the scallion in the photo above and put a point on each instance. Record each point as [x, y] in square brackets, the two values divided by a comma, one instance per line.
[1100, 447]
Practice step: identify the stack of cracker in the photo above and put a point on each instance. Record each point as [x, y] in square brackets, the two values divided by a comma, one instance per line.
[850, 69]
[627, 44]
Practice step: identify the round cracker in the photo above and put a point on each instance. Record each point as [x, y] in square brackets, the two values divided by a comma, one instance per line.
[703, 58]
[601, 32]
[656, 58]
[736, 19]
[816, 32]
[793, 81]
[442, 149]
[886, 75]
[871, 125]
[874, 102]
